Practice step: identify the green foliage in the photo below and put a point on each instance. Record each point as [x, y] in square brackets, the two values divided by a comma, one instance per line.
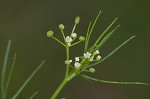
[5, 84]
[91, 55]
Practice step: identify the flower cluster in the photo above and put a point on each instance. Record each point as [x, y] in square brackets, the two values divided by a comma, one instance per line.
[91, 57]
[68, 42]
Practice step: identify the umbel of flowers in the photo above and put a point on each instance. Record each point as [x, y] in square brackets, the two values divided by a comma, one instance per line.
[68, 42]
[91, 54]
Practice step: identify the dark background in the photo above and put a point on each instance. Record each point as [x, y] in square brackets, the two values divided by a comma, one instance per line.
[26, 22]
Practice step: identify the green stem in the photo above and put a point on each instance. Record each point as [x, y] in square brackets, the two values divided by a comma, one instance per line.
[67, 55]
[76, 43]
[61, 86]
[59, 41]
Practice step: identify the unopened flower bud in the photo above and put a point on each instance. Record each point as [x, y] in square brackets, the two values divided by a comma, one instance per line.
[67, 62]
[98, 57]
[77, 20]
[81, 38]
[61, 26]
[50, 33]
[74, 35]
[92, 70]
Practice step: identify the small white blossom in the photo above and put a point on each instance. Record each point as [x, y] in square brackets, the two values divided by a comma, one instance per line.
[77, 59]
[70, 61]
[97, 52]
[77, 64]
[68, 39]
[74, 35]
[87, 55]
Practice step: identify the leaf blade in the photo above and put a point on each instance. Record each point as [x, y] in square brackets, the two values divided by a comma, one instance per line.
[91, 79]
[110, 54]
[106, 38]
[28, 79]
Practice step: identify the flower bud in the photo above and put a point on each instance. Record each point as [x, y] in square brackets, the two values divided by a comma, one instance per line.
[67, 62]
[77, 20]
[74, 35]
[50, 33]
[92, 70]
[61, 26]
[81, 38]
[98, 57]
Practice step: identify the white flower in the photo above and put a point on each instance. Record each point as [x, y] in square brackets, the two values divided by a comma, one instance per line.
[74, 35]
[97, 52]
[77, 59]
[77, 64]
[68, 39]
[87, 55]
[70, 61]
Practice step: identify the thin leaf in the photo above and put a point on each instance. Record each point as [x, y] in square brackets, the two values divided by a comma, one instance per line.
[97, 41]
[111, 53]
[4, 69]
[28, 79]
[91, 79]
[106, 38]
[33, 95]
[10, 74]
[86, 40]
[91, 30]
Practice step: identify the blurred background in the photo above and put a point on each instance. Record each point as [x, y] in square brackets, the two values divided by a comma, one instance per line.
[26, 23]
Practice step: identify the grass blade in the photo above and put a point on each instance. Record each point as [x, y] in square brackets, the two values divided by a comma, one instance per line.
[91, 30]
[111, 53]
[33, 95]
[97, 41]
[106, 38]
[91, 79]
[4, 69]
[10, 74]
[28, 79]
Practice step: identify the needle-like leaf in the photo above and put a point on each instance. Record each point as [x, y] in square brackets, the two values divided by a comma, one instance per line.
[10, 74]
[91, 79]
[100, 37]
[4, 69]
[106, 38]
[34, 94]
[111, 53]
[28, 79]
[90, 30]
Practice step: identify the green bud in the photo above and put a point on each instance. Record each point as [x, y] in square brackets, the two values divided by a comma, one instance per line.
[77, 20]
[92, 70]
[61, 26]
[98, 57]
[81, 38]
[67, 62]
[50, 33]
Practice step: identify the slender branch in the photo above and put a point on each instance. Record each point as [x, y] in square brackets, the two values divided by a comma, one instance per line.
[58, 41]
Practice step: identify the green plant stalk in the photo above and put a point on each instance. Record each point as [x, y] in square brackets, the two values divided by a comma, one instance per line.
[63, 83]
[67, 55]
